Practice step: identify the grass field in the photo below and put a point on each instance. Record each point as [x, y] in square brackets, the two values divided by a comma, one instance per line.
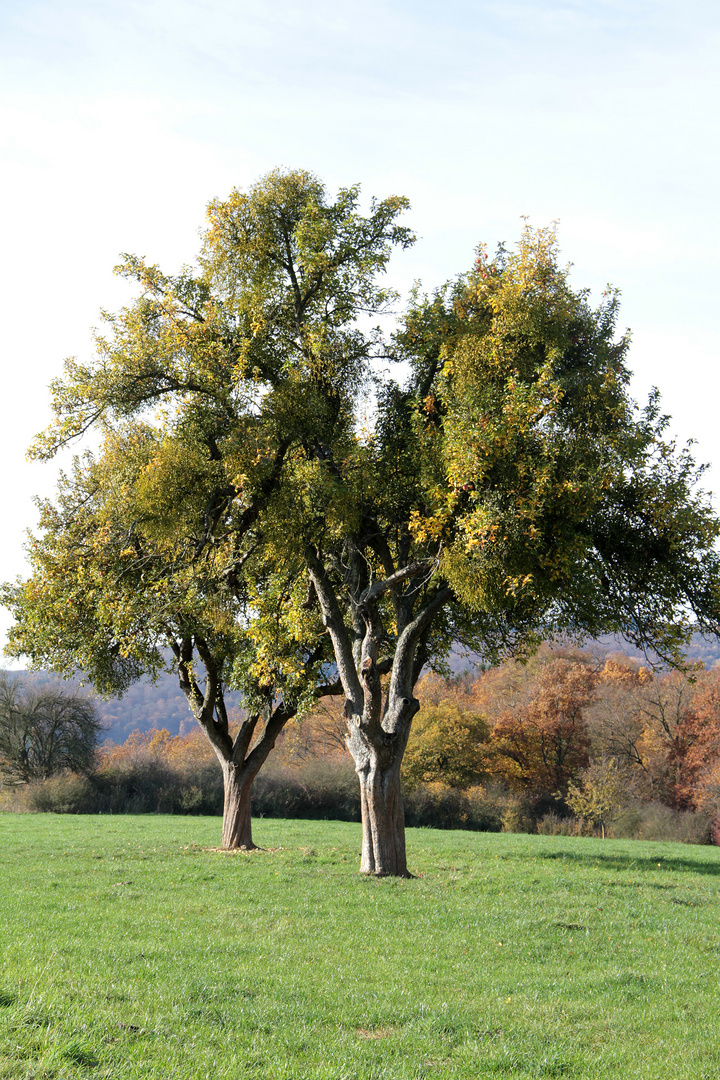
[130, 950]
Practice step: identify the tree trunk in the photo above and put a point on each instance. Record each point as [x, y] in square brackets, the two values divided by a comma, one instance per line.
[378, 756]
[237, 825]
[383, 820]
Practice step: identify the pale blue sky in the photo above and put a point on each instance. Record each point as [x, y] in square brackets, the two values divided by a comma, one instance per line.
[119, 121]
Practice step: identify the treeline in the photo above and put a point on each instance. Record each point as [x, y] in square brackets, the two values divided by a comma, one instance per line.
[568, 743]
[148, 705]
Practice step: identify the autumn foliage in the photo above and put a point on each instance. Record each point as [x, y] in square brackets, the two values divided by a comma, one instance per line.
[569, 741]
[571, 729]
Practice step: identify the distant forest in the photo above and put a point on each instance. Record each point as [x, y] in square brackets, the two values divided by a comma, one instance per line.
[147, 705]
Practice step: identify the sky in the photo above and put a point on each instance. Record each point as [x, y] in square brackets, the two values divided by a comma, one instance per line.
[120, 121]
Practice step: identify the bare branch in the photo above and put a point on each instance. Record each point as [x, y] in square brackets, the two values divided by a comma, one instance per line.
[411, 570]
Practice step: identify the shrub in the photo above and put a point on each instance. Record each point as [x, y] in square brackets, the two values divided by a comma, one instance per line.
[438, 807]
[67, 793]
[154, 785]
[655, 821]
[553, 824]
[322, 790]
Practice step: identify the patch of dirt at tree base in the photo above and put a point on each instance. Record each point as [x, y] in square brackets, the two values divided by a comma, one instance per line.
[242, 851]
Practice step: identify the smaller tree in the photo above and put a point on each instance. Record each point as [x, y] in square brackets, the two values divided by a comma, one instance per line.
[44, 732]
[599, 795]
[446, 745]
[541, 742]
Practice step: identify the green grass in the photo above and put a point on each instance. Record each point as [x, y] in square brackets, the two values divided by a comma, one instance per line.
[130, 951]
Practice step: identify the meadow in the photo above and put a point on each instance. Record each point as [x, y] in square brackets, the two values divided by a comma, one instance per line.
[132, 949]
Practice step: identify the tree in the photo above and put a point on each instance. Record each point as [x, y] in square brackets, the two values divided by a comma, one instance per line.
[699, 782]
[600, 793]
[691, 730]
[615, 720]
[505, 492]
[114, 589]
[318, 735]
[446, 745]
[172, 535]
[645, 722]
[44, 732]
[541, 743]
[515, 493]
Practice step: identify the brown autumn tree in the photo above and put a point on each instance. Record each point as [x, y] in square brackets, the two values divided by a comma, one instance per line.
[615, 719]
[317, 736]
[695, 753]
[664, 738]
[542, 743]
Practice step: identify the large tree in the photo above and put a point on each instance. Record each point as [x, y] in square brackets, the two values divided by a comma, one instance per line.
[510, 491]
[171, 537]
[507, 490]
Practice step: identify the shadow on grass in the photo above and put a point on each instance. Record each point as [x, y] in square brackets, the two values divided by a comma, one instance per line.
[616, 861]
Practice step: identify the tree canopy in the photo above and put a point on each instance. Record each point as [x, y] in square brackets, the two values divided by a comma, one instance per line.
[506, 490]
[176, 533]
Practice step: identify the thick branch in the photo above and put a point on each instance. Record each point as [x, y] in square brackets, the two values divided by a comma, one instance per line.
[212, 681]
[191, 690]
[277, 721]
[372, 711]
[401, 679]
[367, 606]
[333, 621]
[377, 542]
[203, 705]
[244, 738]
[412, 570]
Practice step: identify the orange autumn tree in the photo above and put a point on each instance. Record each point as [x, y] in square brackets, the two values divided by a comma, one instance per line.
[659, 727]
[695, 754]
[540, 744]
[181, 751]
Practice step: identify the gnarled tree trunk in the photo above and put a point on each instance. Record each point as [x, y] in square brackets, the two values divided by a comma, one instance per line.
[237, 823]
[240, 764]
[378, 754]
[383, 821]
[378, 725]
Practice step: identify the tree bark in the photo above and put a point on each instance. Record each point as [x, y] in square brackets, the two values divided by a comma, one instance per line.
[377, 735]
[383, 821]
[237, 823]
[378, 753]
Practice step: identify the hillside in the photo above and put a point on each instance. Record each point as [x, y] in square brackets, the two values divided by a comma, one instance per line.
[145, 705]
[702, 650]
